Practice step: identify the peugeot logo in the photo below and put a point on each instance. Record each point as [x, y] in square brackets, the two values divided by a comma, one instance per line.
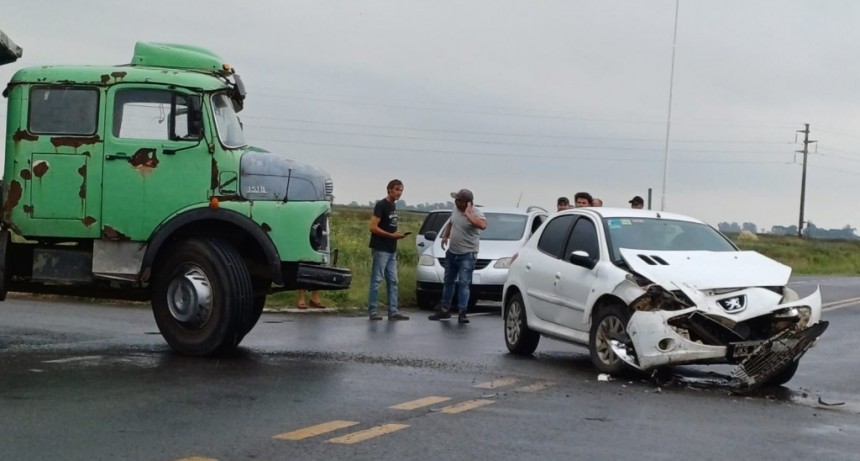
[733, 304]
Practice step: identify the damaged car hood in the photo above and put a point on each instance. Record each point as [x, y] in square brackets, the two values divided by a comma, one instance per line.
[705, 270]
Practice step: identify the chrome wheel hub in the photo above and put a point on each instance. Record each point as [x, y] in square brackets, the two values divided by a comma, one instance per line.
[189, 297]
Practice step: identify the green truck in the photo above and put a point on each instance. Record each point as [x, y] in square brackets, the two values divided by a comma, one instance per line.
[136, 182]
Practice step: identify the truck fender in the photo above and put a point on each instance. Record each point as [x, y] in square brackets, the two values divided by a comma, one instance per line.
[175, 225]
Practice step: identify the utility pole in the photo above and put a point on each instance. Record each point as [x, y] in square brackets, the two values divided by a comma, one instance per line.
[805, 152]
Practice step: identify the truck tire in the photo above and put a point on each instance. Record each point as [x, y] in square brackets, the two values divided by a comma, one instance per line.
[202, 297]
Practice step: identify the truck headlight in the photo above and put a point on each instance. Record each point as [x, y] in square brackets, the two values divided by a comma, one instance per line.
[426, 260]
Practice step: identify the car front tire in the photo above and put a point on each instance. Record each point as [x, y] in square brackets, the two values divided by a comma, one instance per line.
[519, 338]
[609, 322]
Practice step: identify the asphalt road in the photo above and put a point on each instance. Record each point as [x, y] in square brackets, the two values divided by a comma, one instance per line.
[97, 382]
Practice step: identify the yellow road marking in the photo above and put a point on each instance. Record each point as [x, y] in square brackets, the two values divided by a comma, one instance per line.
[312, 431]
[366, 434]
[426, 401]
[501, 382]
[465, 406]
[538, 386]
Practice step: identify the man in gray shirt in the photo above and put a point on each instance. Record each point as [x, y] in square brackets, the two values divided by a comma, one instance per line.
[463, 231]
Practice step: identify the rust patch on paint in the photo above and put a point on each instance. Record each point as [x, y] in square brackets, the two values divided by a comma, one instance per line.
[22, 135]
[12, 197]
[118, 75]
[28, 209]
[105, 78]
[110, 233]
[214, 182]
[40, 168]
[144, 161]
[26, 175]
[266, 228]
[88, 221]
[82, 193]
[74, 142]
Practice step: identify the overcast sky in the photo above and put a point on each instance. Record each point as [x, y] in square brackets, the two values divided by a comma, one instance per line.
[521, 100]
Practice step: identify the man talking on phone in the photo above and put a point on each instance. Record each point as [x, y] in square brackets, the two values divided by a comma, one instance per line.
[463, 231]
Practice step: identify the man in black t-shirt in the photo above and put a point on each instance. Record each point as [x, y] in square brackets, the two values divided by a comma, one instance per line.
[383, 248]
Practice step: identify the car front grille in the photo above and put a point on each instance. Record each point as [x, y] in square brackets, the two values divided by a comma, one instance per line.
[479, 264]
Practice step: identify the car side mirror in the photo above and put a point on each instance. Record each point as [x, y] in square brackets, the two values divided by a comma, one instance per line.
[581, 258]
[430, 235]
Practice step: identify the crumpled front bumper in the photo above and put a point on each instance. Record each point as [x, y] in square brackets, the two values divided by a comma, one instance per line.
[656, 343]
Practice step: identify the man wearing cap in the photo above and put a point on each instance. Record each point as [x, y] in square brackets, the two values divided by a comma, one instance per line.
[463, 231]
[637, 203]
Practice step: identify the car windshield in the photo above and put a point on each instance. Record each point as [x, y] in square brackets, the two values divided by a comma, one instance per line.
[504, 226]
[229, 127]
[662, 235]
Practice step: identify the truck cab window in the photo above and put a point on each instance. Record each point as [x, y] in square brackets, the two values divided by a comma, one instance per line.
[227, 121]
[151, 114]
[63, 110]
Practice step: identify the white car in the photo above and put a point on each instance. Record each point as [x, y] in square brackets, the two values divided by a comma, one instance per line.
[507, 230]
[644, 289]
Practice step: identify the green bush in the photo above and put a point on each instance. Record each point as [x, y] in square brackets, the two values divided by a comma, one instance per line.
[351, 236]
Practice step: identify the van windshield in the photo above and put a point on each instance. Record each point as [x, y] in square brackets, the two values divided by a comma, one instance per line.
[504, 226]
[227, 122]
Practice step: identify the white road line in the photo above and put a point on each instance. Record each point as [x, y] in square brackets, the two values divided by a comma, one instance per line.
[833, 305]
[74, 359]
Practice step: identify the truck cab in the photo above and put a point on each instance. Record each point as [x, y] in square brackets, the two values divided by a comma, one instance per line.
[136, 182]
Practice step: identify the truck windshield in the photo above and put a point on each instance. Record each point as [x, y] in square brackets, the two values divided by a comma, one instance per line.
[227, 122]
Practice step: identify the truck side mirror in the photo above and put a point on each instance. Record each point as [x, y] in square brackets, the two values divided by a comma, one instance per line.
[430, 235]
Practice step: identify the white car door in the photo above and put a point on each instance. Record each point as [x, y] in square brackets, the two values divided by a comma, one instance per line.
[543, 268]
[576, 281]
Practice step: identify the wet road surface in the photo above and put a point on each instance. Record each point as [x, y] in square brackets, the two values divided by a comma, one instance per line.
[84, 382]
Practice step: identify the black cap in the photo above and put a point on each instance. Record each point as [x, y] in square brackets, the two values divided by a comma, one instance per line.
[463, 195]
[637, 200]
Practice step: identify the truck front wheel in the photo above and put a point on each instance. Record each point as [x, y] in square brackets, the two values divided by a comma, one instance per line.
[201, 296]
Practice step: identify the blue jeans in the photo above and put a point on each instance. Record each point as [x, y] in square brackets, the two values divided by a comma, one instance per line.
[384, 266]
[458, 268]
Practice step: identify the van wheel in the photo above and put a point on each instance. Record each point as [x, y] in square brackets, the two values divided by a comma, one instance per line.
[426, 301]
[202, 297]
[519, 338]
[609, 323]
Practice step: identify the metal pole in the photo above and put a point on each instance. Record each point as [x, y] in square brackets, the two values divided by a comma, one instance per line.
[669, 115]
[805, 152]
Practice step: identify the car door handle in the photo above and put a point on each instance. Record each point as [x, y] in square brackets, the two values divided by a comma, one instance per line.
[529, 266]
[421, 244]
[117, 156]
[558, 275]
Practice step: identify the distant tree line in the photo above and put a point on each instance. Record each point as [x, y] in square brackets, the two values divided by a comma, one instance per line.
[401, 205]
[810, 231]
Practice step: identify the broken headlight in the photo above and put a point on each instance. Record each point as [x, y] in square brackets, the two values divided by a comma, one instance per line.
[798, 315]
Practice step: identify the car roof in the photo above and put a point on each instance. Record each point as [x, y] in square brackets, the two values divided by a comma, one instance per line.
[511, 209]
[609, 212]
